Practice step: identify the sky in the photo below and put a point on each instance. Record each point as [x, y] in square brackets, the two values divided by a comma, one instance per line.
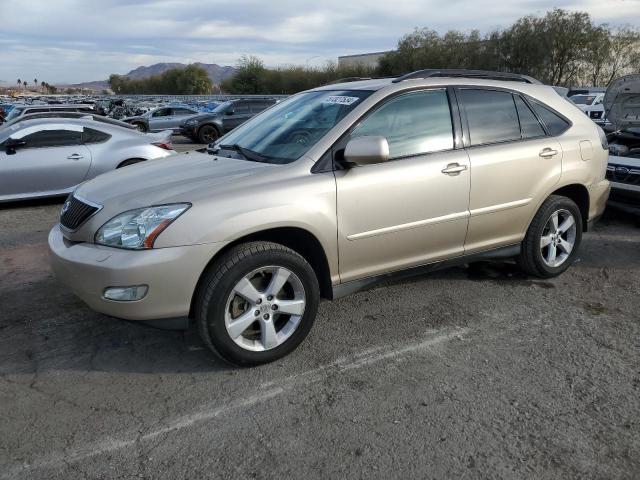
[69, 41]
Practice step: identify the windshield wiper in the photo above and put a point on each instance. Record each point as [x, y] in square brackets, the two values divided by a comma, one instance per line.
[245, 152]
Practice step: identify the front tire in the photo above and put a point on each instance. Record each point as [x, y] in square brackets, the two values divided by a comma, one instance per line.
[256, 303]
[208, 134]
[141, 127]
[553, 238]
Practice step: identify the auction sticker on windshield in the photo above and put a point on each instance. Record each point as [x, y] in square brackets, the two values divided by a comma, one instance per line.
[340, 100]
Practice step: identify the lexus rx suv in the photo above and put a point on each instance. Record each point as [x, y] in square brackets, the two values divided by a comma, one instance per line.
[328, 192]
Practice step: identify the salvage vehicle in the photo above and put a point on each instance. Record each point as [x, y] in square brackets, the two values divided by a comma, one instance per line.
[22, 110]
[208, 127]
[50, 157]
[622, 103]
[162, 118]
[331, 191]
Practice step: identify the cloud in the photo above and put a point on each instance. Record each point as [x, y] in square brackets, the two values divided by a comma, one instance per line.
[79, 40]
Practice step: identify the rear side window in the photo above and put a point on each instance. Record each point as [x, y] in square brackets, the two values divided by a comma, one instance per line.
[529, 124]
[89, 135]
[555, 123]
[413, 124]
[53, 138]
[240, 108]
[491, 116]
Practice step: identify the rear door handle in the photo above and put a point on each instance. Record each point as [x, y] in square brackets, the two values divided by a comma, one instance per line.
[75, 156]
[548, 152]
[454, 169]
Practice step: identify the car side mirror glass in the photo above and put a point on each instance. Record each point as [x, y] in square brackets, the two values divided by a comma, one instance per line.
[13, 144]
[367, 150]
[229, 112]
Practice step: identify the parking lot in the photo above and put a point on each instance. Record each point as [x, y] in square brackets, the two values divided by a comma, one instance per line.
[472, 372]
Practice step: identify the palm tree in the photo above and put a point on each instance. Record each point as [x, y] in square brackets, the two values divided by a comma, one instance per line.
[19, 83]
[24, 83]
[43, 84]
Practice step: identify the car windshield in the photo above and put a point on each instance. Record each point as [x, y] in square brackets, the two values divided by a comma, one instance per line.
[288, 130]
[222, 107]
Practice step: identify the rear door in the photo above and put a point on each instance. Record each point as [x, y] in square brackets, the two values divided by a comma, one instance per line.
[161, 119]
[514, 161]
[53, 160]
[412, 209]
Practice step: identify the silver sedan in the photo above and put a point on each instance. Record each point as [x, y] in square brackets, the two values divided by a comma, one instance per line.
[49, 157]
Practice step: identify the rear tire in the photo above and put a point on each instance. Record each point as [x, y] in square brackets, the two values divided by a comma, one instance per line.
[553, 238]
[208, 134]
[256, 326]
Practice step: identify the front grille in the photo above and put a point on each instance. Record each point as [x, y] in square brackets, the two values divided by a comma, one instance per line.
[623, 174]
[75, 212]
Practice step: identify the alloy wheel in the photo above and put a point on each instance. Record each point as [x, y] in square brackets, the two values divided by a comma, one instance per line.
[558, 238]
[265, 308]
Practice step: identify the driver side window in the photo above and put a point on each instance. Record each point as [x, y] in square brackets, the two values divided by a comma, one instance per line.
[413, 123]
[53, 138]
[163, 112]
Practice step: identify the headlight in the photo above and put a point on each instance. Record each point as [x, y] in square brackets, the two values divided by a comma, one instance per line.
[191, 122]
[138, 229]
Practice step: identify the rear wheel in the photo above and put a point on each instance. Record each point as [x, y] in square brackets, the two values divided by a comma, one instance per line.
[553, 238]
[256, 303]
[208, 134]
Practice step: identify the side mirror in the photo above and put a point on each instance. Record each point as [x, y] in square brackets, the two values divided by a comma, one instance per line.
[229, 112]
[367, 150]
[12, 144]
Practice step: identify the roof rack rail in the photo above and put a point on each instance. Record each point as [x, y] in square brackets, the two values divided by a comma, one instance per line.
[485, 74]
[349, 79]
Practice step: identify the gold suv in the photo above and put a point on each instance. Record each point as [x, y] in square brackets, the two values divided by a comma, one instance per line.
[328, 192]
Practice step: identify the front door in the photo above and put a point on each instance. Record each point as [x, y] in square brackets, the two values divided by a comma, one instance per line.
[53, 161]
[414, 208]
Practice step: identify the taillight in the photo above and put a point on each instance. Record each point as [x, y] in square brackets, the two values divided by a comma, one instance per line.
[165, 145]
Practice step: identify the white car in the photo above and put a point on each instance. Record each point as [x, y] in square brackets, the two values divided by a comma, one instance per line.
[592, 106]
[51, 156]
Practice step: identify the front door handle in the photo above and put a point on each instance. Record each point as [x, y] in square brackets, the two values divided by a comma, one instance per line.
[75, 156]
[454, 169]
[548, 152]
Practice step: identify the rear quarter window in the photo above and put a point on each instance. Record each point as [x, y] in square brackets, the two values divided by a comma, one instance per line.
[554, 123]
[90, 135]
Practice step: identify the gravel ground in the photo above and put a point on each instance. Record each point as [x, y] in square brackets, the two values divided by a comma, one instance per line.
[474, 372]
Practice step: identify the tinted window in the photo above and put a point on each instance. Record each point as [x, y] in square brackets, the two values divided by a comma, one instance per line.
[529, 124]
[491, 116]
[89, 135]
[554, 123]
[163, 112]
[52, 138]
[414, 123]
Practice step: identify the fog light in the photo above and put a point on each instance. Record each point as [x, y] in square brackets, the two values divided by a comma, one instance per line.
[126, 294]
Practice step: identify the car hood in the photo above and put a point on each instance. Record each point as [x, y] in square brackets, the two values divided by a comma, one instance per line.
[178, 178]
[622, 102]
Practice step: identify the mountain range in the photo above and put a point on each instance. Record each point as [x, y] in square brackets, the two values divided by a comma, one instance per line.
[217, 74]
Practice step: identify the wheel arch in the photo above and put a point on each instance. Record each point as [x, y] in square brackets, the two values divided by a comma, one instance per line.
[297, 239]
[580, 195]
[211, 124]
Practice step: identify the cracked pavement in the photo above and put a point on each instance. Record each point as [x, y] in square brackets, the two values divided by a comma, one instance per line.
[474, 372]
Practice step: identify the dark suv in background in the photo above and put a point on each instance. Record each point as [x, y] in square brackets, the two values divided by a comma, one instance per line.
[207, 127]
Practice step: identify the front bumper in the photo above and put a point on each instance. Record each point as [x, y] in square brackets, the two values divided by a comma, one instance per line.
[170, 273]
